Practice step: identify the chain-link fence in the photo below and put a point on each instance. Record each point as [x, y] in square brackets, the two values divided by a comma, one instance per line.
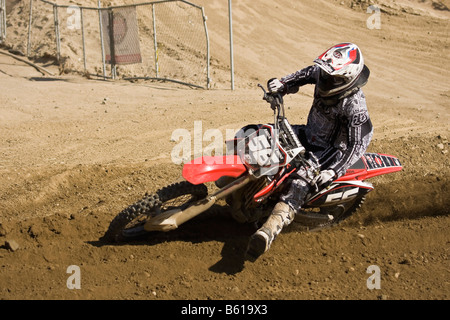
[163, 40]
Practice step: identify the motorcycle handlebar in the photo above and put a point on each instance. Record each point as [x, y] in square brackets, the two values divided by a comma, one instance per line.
[280, 123]
[276, 104]
[274, 98]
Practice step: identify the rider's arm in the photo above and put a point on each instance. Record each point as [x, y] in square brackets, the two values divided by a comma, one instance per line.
[294, 81]
[359, 132]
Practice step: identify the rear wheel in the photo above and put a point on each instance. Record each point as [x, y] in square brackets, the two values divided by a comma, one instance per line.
[129, 223]
[339, 213]
[343, 211]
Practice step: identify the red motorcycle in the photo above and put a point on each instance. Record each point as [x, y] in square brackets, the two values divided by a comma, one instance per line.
[251, 178]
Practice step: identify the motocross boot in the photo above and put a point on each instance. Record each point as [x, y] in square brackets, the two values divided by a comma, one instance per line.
[281, 216]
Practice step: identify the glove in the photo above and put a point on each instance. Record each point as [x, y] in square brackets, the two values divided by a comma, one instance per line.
[275, 85]
[324, 178]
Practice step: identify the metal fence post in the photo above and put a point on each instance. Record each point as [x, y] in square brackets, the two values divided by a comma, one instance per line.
[2, 7]
[155, 43]
[83, 39]
[208, 79]
[231, 44]
[58, 40]
[30, 18]
[101, 39]
[2, 21]
[111, 43]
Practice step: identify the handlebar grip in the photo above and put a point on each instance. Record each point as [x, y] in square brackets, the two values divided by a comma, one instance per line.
[274, 98]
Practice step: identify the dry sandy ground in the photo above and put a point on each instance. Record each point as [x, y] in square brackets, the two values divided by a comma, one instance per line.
[74, 152]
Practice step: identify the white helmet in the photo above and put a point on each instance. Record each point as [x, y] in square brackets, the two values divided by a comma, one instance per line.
[341, 66]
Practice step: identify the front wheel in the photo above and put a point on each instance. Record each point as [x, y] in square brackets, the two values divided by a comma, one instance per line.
[129, 223]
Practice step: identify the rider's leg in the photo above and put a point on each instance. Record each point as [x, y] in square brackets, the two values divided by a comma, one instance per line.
[282, 215]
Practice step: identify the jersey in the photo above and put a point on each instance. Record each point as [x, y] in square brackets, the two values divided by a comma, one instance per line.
[338, 129]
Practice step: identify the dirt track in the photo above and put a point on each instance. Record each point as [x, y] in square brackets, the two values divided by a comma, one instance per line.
[74, 152]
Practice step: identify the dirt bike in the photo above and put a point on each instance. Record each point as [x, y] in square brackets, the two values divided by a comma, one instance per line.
[251, 177]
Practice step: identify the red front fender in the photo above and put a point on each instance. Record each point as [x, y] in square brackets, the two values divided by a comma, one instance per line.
[207, 169]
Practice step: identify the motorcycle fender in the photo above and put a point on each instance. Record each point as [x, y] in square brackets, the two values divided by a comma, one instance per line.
[208, 169]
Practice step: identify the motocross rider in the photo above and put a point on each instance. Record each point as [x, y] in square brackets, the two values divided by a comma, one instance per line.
[337, 133]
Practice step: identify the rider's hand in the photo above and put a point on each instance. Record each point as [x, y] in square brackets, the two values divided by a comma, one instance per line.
[275, 85]
[325, 177]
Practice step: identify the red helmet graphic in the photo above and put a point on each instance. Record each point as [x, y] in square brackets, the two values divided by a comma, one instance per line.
[340, 67]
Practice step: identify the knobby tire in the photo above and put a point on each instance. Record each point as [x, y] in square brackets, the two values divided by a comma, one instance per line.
[129, 223]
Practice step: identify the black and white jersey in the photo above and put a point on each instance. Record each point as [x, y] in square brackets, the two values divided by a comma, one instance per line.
[338, 131]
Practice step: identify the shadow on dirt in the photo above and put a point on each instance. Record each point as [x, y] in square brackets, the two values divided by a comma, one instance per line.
[215, 225]
[440, 6]
[47, 79]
